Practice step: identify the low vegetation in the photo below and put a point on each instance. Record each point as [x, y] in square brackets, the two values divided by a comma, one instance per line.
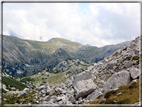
[23, 99]
[25, 80]
[8, 81]
[128, 94]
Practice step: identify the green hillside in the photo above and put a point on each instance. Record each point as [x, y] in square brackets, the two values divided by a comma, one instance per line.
[128, 94]
[13, 83]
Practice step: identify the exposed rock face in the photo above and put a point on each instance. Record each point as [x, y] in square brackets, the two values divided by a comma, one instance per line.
[94, 95]
[116, 80]
[84, 87]
[82, 76]
[135, 72]
[116, 70]
[29, 57]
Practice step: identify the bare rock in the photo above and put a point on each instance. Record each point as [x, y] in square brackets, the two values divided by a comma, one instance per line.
[82, 76]
[135, 72]
[68, 83]
[94, 95]
[12, 92]
[116, 80]
[84, 87]
[72, 98]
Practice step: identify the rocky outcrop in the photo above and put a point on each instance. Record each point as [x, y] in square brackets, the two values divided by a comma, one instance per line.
[84, 87]
[117, 80]
[120, 68]
[18, 53]
[135, 72]
[82, 76]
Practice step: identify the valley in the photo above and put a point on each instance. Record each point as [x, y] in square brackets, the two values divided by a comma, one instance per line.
[25, 57]
[83, 75]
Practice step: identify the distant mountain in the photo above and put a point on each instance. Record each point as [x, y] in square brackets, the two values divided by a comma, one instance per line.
[113, 80]
[25, 57]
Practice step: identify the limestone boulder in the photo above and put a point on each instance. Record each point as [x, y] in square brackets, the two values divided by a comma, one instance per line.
[82, 76]
[22, 93]
[84, 87]
[47, 98]
[26, 89]
[59, 90]
[116, 80]
[135, 72]
[94, 95]
[68, 83]
[72, 98]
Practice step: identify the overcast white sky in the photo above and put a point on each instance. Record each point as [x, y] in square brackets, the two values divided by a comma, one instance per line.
[96, 24]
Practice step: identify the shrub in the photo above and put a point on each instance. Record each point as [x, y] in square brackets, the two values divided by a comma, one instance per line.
[124, 101]
[133, 85]
[4, 91]
[110, 101]
[54, 94]
[25, 80]
[95, 79]
[13, 83]
[135, 58]
[109, 93]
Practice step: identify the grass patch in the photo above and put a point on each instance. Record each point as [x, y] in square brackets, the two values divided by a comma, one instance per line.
[56, 78]
[110, 93]
[133, 85]
[124, 101]
[95, 79]
[4, 91]
[110, 101]
[25, 80]
[135, 58]
[12, 99]
[127, 58]
[13, 83]
[129, 95]
[103, 69]
[54, 94]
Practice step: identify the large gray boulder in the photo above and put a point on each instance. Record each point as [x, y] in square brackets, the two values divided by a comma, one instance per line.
[84, 87]
[22, 93]
[68, 83]
[116, 80]
[91, 97]
[47, 98]
[135, 72]
[82, 76]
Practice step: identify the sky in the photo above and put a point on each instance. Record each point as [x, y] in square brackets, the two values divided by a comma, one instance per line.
[96, 24]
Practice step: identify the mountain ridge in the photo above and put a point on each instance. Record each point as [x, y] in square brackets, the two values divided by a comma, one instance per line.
[40, 54]
[104, 81]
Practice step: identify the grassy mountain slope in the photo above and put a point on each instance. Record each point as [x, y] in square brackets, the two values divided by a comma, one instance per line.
[128, 94]
[11, 83]
[26, 57]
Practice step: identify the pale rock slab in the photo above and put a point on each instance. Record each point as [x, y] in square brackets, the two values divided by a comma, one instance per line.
[116, 80]
[135, 72]
[84, 87]
[94, 95]
[82, 76]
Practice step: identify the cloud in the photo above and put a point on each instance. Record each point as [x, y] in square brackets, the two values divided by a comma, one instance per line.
[92, 23]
